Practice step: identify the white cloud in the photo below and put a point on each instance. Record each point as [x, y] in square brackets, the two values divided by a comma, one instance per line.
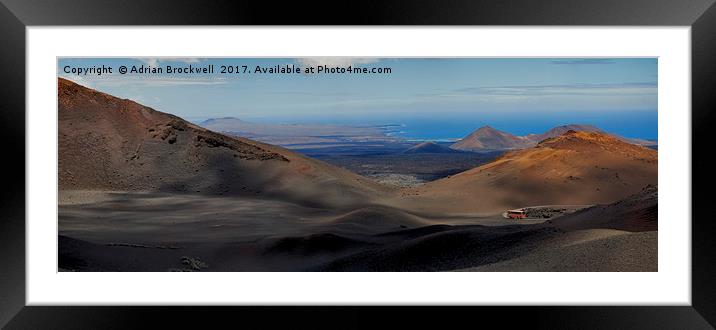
[150, 61]
[645, 88]
[154, 61]
[118, 80]
[335, 61]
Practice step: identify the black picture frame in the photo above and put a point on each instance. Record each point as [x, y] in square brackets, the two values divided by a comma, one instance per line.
[16, 15]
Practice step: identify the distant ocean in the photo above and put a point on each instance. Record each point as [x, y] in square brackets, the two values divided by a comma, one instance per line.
[450, 127]
[451, 130]
[643, 125]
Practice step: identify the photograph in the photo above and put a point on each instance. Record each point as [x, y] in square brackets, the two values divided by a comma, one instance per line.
[435, 163]
[430, 163]
[357, 164]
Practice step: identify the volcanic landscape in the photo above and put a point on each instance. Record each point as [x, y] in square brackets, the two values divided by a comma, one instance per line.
[143, 190]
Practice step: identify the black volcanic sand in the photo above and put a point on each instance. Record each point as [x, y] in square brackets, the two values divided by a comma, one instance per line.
[431, 248]
[172, 232]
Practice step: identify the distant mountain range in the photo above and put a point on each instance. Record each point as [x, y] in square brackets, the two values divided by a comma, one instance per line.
[488, 138]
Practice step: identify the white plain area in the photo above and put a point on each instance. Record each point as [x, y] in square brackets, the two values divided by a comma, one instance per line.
[671, 285]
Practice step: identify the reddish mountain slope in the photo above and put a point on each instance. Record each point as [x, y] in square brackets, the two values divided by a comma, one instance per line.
[574, 168]
[559, 130]
[488, 138]
[108, 143]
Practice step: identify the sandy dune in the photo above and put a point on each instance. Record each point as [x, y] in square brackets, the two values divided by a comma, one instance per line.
[592, 250]
[153, 231]
[159, 218]
[638, 212]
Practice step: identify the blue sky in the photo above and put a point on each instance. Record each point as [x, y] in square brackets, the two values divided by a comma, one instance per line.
[456, 95]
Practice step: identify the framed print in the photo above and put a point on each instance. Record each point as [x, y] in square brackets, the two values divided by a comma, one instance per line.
[464, 155]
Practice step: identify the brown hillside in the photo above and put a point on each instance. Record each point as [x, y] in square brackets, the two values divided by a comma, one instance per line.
[574, 168]
[108, 143]
[559, 130]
